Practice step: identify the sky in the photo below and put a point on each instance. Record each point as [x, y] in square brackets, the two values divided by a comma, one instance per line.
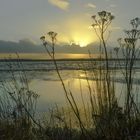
[71, 19]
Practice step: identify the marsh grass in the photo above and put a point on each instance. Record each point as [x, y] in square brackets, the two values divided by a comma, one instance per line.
[17, 105]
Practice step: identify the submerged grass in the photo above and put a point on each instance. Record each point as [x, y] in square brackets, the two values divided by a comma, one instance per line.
[99, 118]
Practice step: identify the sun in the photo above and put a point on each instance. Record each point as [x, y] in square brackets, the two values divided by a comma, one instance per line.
[82, 38]
[82, 43]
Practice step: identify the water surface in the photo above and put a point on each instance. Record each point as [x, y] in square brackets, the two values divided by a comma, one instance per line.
[43, 79]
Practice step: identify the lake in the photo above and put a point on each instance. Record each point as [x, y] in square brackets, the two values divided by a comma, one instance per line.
[43, 79]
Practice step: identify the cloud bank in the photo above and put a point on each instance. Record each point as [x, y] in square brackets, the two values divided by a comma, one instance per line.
[26, 46]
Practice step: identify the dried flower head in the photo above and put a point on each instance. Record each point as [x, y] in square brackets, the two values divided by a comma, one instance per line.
[42, 38]
[52, 34]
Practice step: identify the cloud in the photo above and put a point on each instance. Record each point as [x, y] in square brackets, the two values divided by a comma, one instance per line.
[26, 47]
[23, 46]
[62, 4]
[91, 5]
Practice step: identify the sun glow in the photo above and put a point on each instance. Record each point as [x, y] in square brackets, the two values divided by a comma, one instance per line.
[80, 32]
[82, 43]
[81, 39]
[77, 31]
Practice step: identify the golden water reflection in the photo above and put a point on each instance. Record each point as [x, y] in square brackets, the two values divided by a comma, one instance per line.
[51, 91]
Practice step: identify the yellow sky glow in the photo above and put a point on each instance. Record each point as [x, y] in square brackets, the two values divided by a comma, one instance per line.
[76, 30]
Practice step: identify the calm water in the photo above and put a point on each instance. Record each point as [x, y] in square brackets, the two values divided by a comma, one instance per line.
[43, 79]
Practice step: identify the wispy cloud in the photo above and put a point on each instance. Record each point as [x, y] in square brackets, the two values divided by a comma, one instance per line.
[62, 4]
[91, 5]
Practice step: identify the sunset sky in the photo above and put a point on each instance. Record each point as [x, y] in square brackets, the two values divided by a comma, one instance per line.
[30, 19]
